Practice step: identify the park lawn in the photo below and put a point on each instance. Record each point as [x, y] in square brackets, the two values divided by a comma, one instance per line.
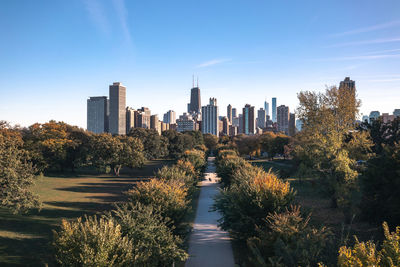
[25, 240]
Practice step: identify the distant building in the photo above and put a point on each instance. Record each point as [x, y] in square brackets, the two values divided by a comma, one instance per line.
[229, 113]
[349, 85]
[169, 117]
[365, 118]
[266, 107]
[386, 118]
[195, 100]
[273, 111]
[396, 112]
[130, 118]
[185, 123]
[374, 115]
[261, 118]
[233, 130]
[249, 125]
[225, 125]
[210, 120]
[97, 114]
[164, 126]
[155, 123]
[241, 125]
[143, 118]
[235, 121]
[292, 124]
[117, 119]
[283, 119]
[234, 113]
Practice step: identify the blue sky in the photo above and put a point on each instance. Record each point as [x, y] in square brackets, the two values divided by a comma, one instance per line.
[55, 54]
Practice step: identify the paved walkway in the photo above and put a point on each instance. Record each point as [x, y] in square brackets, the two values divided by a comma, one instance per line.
[209, 245]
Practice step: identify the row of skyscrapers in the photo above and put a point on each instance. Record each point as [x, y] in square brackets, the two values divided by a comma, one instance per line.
[113, 116]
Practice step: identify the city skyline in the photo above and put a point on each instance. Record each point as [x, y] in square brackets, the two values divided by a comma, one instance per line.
[243, 53]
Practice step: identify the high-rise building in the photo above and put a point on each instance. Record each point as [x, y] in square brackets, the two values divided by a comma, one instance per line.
[266, 107]
[374, 115]
[283, 119]
[241, 125]
[234, 112]
[225, 125]
[117, 119]
[169, 117]
[143, 118]
[130, 119]
[349, 86]
[229, 113]
[185, 123]
[292, 124]
[155, 123]
[273, 111]
[97, 114]
[233, 130]
[396, 112]
[249, 122]
[195, 100]
[299, 125]
[209, 122]
[261, 116]
[365, 118]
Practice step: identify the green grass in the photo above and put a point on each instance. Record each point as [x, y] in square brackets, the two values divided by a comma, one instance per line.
[25, 240]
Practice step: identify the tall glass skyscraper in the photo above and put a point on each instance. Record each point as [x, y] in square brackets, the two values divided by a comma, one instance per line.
[117, 119]
[274, 109]
[210, 118]
[266, 108]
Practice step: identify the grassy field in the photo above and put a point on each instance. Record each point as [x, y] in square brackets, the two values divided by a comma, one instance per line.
[25, 240]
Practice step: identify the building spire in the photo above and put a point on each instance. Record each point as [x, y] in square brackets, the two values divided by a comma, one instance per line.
[197, 81]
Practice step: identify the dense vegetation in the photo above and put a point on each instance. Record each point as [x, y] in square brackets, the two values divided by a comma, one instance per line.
[149, 228]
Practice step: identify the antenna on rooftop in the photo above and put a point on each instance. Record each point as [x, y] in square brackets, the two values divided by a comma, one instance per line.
[197, 81]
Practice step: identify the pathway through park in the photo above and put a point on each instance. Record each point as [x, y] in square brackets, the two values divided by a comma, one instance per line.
[208, 244]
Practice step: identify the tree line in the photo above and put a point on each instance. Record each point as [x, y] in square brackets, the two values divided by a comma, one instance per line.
[59, 147]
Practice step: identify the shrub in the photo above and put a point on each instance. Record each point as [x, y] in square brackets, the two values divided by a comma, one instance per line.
[244, 204]
[169, 198]
[226, 152]
[228, 165]
[197, 158]
[154, 244]
[94, 242]
[366, 253]
[183, 173]
[287, 239]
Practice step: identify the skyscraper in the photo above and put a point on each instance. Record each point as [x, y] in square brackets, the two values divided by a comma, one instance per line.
[130, 119]
[143, 118]
[396, 112]
[185, 123]
[209, 122]
[117, 120]
[273, 109]
[283, 119]
[374, 115]
[195, 100]
[249, 125]
[229, 113]
[292, 124]
[234, 113]
[170, 117]
[350, 95]
[97, 114]
[266, 108]
[155, 123]
[225, 125]
[261, 115]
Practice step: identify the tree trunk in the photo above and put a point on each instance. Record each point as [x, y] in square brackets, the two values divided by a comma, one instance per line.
[116, 170]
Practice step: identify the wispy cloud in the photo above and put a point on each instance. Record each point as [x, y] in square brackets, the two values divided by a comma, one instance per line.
[97, 15]
[384, 80]
[212, 62]
[364, 57]
[366, 42]
[367, 29]
[383, 51]
[122, 14]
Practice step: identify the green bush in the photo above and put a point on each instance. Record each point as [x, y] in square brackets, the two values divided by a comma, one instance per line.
[94, 242]
[154, 244]
[367, 254]
[227, 166]
[287, 239]
[167, 197]
[246, 202]
[182, 172]
[197, 158]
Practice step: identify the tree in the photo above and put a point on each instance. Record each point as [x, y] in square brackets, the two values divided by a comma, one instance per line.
[178, 143]
[210, 141]
[322, 147]
[247, 144]
[155, 146]
[116, 152]
[16, 173]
